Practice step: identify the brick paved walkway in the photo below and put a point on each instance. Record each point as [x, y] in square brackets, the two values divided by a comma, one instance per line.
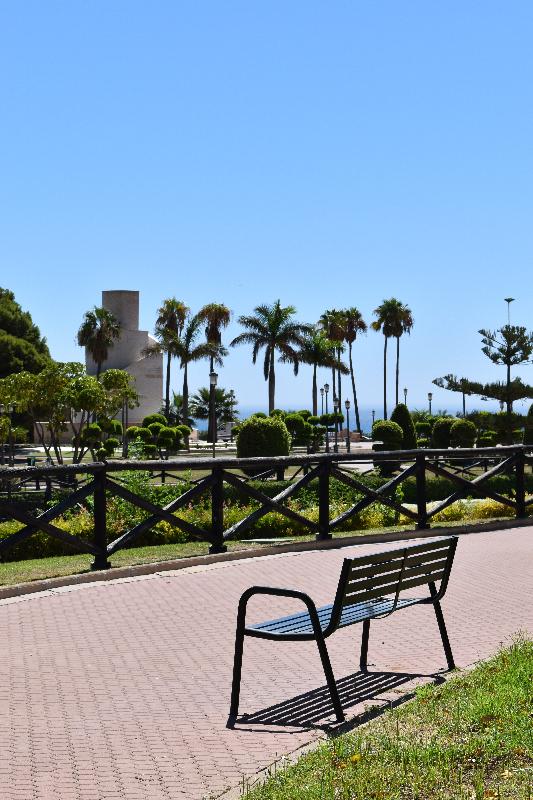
[121, 689]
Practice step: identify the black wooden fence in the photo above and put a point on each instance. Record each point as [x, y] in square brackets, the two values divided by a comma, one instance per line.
[103, 479]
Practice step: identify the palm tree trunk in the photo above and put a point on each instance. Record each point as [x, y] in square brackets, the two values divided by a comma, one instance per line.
[315, 394]
[385, 379]
[339, 396]
[355, 403]
[271, 384]
[397, 366]
[211, 401]
[167, 387]
[185, 401]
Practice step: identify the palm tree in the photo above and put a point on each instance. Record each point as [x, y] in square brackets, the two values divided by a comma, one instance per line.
[318, 351]
[225, 404]
[393, 319]
[273, 328]
[98, 332]
[384, 323]
[188, 351]
[168, 328]
[216, 316]
[353, 324]
[332, 323]
[406, 323]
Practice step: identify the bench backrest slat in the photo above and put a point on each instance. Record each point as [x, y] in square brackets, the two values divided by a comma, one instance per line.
[384, 574]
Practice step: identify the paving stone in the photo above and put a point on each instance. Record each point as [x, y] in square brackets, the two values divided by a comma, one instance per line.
[121, 689]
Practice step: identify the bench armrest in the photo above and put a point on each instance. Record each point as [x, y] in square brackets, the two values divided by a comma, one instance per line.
[276, 592]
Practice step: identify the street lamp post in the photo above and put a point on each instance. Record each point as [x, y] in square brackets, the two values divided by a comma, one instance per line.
[213, 383]
[326, 391]
[322, 399]
[373, 416]
[405, 396]
[336, 407]
[347, 407]
[430, 398]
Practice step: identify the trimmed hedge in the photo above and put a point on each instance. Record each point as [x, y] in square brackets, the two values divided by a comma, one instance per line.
[402, 416]
[263, 436]
[441, 432]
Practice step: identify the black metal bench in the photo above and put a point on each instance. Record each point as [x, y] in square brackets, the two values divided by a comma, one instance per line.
[369, 588]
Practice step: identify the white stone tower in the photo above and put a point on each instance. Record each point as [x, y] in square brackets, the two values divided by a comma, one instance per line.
[127, 353]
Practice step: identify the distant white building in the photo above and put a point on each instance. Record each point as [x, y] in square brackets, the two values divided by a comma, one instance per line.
[128, 353]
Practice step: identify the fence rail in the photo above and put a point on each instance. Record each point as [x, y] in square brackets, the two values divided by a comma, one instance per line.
[104, 479]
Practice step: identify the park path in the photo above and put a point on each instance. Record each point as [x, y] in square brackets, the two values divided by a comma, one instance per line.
[121, 689]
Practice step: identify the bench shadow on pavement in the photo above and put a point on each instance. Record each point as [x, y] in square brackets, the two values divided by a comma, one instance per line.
[314, 710]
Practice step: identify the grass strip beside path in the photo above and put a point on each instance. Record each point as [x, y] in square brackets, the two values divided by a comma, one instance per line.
[468, 739]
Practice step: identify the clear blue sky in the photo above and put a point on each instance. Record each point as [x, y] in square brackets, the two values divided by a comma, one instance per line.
[328, 154]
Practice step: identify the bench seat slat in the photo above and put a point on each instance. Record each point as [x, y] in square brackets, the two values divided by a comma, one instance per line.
[300, 624]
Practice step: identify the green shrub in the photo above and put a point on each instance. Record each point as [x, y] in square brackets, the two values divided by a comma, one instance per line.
[402, 416]
[101, 454]
[91, 435]
[111, 444]
[151, 418]
[304, 413]
[155, 428]
[150, 450]
[389, 433]
[277, 412]
[133, 432]
[422, 442]
[463, 433]
[487, 439]
[145, 435]
[296, 426]
[263, 436]
[386, 435]
[260, 415]
[184, 430]
[423, 429]
[441, 432]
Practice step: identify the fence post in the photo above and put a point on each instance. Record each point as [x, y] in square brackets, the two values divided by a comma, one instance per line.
[520, 485]
[100, 523]
[323, 502]
[217, 513]
[421, 497]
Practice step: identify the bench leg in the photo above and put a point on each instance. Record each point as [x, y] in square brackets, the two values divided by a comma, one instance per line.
[330, 678]
[442, 628]
[237, 668]
[363, 661]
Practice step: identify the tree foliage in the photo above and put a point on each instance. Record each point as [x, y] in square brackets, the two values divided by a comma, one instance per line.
[21, 345]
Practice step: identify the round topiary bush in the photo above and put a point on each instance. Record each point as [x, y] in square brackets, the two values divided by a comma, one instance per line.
[101, 454]
[463, 433]
[295, 424]
[422, 443]
[155, 428]
[441, 432]
[147, 421]
[144, 434]
[150, 450]
[423, 429]
[111, 444]
[402, 416]
[386, 435]
[487, 439]
[133, 432]
[263, 436]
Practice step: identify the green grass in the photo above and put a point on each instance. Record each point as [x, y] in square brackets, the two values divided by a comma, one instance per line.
[468, 739]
